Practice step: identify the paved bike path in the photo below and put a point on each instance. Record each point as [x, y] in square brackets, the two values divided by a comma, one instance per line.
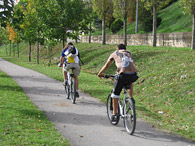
[84, 123]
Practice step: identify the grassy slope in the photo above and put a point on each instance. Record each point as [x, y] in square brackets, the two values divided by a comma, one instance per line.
[167, 81]
[173, 20]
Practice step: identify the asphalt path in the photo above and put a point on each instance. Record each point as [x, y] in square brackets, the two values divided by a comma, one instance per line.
[84, 123]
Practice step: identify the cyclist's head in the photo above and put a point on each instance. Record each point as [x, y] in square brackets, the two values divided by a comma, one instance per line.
[67, 44]
[121, 47]
[70, 43]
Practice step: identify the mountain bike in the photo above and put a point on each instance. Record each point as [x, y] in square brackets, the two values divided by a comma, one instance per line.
[70, 87]
[126, 110]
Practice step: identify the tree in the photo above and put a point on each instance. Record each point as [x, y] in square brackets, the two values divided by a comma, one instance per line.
[104, 9]
[3, 37]
[123, 8]
[28, 25]
[89, 19]
[6, 12]
[155, 5]
[189, 6]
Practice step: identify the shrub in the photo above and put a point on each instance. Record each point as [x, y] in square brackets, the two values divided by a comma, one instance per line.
[116, 25]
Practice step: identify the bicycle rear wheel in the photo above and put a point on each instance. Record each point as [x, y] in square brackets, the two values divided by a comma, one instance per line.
[129, 116]
[67, 93]
[110, 110]
[73, 90]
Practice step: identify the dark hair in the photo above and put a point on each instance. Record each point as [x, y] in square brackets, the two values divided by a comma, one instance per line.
[67, 44]
[70, 43]
[121, 46]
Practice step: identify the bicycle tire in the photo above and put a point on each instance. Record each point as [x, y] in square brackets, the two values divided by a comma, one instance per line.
[110, 110]
[73, 90]
[130, 116]
[67, 93]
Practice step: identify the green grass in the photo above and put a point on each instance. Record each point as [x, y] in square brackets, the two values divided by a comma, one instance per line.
[174, 19]
[166, 83]
[22, 123]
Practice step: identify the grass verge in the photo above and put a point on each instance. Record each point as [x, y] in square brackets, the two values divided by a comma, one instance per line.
[22, 123]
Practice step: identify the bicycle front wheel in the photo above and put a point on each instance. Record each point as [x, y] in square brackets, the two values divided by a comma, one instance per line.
[129, 116]
[109, 107]
[73, 90]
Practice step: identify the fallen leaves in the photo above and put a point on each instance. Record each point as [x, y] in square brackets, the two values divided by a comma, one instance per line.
[81, 136]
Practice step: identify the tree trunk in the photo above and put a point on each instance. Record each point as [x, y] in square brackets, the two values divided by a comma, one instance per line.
[13, 50]
[50, 50]
[6, 50]
[38, 48]
[154, 24]
[10, 47]
[137, 7]
[63, 40]
[90, 32]
[193, 33]
[29, 55]
[18, 50]
[103, 31]
[125, 31]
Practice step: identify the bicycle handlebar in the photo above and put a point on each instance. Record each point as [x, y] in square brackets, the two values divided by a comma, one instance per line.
[109, 76]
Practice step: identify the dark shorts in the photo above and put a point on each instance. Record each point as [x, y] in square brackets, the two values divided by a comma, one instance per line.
[123, 80]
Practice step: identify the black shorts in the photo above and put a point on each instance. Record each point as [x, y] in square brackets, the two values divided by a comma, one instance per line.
[124, 80]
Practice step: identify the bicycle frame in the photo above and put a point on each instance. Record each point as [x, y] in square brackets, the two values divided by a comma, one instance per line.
[71, 86]
[126, 111]
[122, 103]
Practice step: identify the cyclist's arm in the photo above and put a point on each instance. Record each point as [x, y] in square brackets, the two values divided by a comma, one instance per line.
[106, 66]
[61, 60]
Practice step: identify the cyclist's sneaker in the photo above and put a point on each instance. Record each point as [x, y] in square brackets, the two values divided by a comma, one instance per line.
[114, 118]
[77, 94]
[133, 100]
[65, 83]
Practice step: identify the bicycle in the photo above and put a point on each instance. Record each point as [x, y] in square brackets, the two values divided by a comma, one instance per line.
[126, 110]
[70, 87]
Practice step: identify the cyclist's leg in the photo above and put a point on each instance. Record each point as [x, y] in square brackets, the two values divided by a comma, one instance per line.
[129, 85]
[115, 105]
[130, 90]
[76, 82]
[118, 86]
[64, 70]
[76, 72]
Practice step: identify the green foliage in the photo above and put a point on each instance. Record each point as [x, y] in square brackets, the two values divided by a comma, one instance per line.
[6, 15]
[159, 3]
[104, 8]
[189, 6]
[116, 25]
[123, 8]
[3, 36]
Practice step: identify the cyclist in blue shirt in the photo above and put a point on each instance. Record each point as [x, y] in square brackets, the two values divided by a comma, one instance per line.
[70, 59]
